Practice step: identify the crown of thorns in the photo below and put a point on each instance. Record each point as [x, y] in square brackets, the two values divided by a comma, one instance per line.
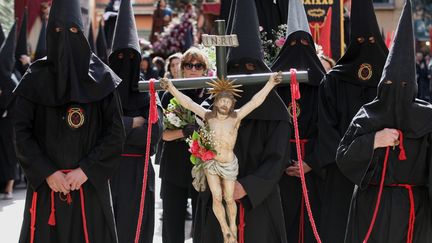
[223, 85]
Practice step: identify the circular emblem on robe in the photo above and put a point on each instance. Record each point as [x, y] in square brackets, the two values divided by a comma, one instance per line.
[290, 110]
[75, 117]
[365, 72]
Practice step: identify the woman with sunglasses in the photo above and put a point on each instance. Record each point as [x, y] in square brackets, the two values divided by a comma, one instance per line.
[175, 169]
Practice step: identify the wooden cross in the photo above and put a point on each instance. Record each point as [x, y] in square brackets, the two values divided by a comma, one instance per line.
[221, 42]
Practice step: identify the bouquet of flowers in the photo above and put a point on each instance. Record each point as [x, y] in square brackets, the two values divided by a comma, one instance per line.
[176, 116]
[178, 36]
[272, 47]
[201, 146]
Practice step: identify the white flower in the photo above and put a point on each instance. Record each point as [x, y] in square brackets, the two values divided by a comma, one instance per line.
[171, 107]
[173, 119]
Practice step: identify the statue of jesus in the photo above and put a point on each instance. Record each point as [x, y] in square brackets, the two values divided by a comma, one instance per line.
[224, 121]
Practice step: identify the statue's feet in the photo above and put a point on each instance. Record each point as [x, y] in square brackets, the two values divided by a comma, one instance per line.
[230, 238]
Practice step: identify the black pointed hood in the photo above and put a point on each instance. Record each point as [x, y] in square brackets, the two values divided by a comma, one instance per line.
[363, 62]
[125, 58]
[7, 63]
[21, 46]
[2, 35]
[395, 105]
[71, 72]
[41, 45]
[91, 39]
[101, 44]
[125, 32]
[298, 50]
[245, 25]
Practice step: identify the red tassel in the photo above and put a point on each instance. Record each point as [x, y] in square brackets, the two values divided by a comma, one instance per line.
[402, 155]
[295, 88]
[51, 220]
[69, 199]
[153, 108]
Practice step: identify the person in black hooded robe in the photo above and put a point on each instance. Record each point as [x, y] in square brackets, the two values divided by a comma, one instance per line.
[8, 160]
[343, 90]
[393, 133]
[299, 52]
[110, 19]
[127, 181]
[22, 60]
[101, 44]
[262, 147]
[68, 136]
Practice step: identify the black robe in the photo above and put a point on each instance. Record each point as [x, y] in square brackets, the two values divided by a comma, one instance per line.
[339, 101]
[8, 160]
[127, 181]
[363, 166]
[46, 143]
[291, 189]
[262, 151]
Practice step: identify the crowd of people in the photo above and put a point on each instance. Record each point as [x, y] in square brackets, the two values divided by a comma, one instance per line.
[345, 158]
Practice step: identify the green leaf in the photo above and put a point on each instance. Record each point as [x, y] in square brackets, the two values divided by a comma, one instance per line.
[195, 135]
[174, 102]
[193, 159]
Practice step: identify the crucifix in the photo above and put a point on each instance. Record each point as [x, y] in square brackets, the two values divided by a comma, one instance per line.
[220, 171]
[222, 41]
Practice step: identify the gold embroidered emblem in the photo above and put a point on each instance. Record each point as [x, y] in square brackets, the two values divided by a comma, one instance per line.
[290, 110]
[75, 117]
[365, 72]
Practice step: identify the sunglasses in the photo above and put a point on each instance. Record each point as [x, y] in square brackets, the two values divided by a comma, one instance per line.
[198, 66]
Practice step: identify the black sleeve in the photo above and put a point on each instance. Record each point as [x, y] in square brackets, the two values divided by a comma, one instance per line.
[328, 136]
[312, 157]
[102, 160]
[35, 163]
[355, 157]
[263, 181]
[138, 136]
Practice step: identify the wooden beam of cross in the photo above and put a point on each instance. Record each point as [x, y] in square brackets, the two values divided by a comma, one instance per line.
[221, 42]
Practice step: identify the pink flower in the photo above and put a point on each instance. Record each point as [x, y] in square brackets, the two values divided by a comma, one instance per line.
[211, 73]
[195, 149]
[208, 155]
[280, 42]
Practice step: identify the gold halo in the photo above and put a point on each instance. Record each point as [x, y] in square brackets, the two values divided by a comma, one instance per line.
[223, 85]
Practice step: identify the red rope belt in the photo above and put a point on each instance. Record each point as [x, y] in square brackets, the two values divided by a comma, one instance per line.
[295, 95]
[152, 119]
[411, 221]
[301, 216]
[52, 220]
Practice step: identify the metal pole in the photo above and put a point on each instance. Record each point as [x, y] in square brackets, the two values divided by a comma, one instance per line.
[243, 79]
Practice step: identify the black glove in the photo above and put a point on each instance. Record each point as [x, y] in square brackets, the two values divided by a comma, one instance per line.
[189, 129]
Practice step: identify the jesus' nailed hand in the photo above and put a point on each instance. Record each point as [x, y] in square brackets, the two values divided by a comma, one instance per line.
[224, 121]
